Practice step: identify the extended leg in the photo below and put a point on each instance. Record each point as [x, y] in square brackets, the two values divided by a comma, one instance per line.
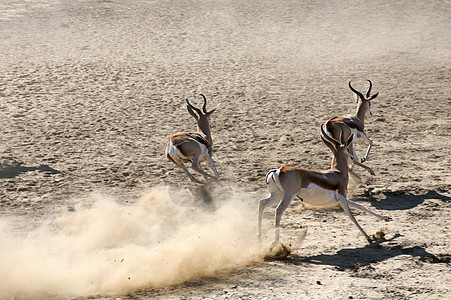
[355, 159]
[368, 149]
[283, 204]
[345, 205]
[197, 167]
[351, 152]
[191, 177]
[356, 205]
[354, 174]
[262, 204]
[212, 165]
[365, 167]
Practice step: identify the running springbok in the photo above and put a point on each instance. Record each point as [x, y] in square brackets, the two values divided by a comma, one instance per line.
[349, 124]
[313, 187]
[194, 147]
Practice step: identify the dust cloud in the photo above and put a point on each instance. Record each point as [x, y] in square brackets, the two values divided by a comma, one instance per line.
[109, 247]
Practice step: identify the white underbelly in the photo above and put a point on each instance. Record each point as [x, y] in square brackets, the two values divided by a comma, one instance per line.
[315, 195]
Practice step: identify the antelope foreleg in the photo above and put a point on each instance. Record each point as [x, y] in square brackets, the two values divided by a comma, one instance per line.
[355, 158]
[368, 149]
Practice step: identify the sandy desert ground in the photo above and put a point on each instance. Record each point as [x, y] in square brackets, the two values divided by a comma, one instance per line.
[90, 91]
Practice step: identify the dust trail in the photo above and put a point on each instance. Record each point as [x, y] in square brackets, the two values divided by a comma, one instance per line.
[112, 248]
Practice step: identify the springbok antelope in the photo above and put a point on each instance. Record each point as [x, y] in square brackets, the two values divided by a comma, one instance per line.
[349, 124]
[194, 147]
[313, 187]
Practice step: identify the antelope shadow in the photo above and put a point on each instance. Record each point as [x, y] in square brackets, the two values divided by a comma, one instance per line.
[402, 200]
[352, 258]
[13, 170]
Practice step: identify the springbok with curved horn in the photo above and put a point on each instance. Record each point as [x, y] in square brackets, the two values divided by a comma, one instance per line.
[313, 187]
[194, 147]
[349, 124]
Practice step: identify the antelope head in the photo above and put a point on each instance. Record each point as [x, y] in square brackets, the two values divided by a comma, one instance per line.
[201, 116]
[364, 106]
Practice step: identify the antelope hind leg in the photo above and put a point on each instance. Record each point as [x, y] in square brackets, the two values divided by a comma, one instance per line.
[281, 207]
[365, 167]
[197, 167]
[354, 174]
[345, 205]
[191, 177]
[262, 204]
[212, 165]
[356, 205]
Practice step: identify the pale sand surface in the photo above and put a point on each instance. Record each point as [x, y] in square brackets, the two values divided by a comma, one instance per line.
[91, 90]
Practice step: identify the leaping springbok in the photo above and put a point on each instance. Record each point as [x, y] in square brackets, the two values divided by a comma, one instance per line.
[194, 147]
[313, 187]
[349, 124]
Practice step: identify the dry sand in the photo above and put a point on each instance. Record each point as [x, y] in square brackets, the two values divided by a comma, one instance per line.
[91, 90]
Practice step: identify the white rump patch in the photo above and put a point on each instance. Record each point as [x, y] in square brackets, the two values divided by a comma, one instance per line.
[173, 152]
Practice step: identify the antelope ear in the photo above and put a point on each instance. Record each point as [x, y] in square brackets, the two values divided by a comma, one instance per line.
[191, 112]
[213, 110]
[374, 96]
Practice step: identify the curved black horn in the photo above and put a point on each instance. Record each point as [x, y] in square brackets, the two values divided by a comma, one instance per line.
[369, 89]
[204, 107]
[356, 91]
[328, 144]
[193, 107]
[328, 137]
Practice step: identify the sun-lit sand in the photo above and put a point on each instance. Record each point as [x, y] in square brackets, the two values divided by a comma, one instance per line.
[90, 91]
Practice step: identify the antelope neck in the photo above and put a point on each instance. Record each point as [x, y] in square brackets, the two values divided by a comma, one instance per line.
[360, 112]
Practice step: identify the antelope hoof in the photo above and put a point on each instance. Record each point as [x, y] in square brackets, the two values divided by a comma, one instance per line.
[372, 172]
[198, 181]
[278, 251]
[378, 236]
[363, 159]
[387, 219]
